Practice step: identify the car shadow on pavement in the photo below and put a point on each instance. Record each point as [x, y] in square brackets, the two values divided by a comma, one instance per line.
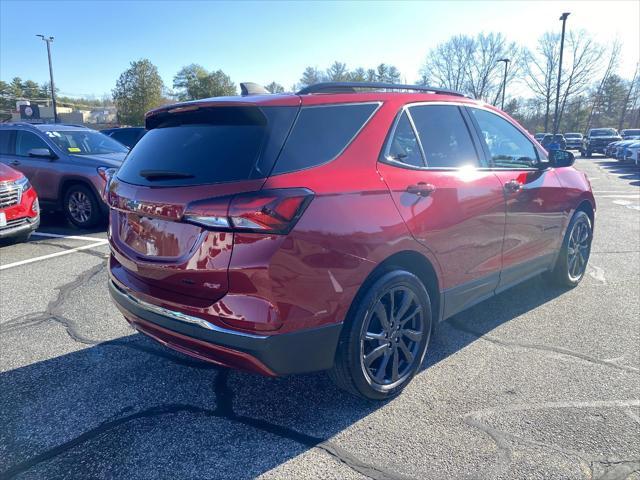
[130, 408]
[624, 170]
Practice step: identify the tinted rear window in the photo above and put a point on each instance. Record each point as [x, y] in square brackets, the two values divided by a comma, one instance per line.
[603, 132]
[572, 135]
[320, 134]
[210, 145]
[5, 142]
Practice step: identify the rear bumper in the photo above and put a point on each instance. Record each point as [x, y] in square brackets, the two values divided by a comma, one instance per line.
[274, 355]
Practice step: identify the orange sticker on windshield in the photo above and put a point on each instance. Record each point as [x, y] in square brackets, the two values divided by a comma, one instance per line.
[73, 149]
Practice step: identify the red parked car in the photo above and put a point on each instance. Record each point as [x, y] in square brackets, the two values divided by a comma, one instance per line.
[332, 228]
[19, 209]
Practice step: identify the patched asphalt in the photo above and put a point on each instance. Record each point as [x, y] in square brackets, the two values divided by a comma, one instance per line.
[538, 382]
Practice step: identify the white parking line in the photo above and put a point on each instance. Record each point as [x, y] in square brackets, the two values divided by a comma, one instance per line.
[52, 255]
[71, 237]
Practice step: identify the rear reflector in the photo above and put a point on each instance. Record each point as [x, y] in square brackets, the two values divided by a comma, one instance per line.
[266, 211]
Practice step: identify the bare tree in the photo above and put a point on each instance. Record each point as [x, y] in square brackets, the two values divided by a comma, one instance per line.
[541, 70]
[633, 87]
[584, 57]
[484, 74]
[611, 66]
[448, 63]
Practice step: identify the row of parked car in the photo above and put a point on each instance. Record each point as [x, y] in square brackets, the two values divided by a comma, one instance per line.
[67, 165]
[623, 146]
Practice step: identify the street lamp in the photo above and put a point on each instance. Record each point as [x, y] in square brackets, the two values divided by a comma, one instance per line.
[504, 82]
[48, 41]
[563, 17]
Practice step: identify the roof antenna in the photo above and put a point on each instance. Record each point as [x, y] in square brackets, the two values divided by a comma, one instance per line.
[251, 88]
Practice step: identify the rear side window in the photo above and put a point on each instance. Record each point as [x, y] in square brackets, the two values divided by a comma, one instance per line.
[444, 136]
[210, 145]
[26, 141]
[404, 147]
[125, 137]
[320, 134]
[5, 142]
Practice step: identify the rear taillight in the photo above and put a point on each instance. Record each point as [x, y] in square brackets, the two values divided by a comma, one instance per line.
[266, 211]
[106, 173]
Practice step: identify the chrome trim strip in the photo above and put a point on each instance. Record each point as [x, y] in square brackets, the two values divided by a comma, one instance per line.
[179, 316]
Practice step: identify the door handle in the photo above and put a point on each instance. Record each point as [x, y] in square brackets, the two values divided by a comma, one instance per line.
[512, 186]
[422, 189]
[14, 162]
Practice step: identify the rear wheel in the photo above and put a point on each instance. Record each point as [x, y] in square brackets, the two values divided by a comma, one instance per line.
[384, 342]
[571, 264]
[81, 206]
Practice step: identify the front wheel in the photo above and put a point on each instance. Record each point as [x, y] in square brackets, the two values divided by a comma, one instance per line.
[385, 339]
[81, 206]
[571, 264]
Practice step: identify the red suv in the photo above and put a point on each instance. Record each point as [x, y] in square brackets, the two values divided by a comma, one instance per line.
[330, 229]
[19, 209]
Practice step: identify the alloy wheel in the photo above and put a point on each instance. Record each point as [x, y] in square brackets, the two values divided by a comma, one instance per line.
[578, 249]
[79, 206]
[391, 337]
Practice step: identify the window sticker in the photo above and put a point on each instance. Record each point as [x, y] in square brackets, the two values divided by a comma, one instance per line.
[74, 149]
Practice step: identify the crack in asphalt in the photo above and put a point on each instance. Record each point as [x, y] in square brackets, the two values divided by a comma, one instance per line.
[614, 470]
[458, 325]
[224, 395]
[224, 409]
[602, 468]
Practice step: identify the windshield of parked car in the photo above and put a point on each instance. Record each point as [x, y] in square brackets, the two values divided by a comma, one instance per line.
[85, 142]
[572, 135]
[603, 132]
[631, 133]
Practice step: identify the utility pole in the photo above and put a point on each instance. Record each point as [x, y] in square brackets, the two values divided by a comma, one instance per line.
[48, 41]
[504, 81]
[563, 17]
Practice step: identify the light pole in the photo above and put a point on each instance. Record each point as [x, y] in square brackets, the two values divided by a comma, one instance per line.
[48, 41]
[504, 82]
[563, 17]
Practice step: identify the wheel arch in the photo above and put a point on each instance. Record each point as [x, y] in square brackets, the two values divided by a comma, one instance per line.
[412, 262]
[587, 207]
[71, 180]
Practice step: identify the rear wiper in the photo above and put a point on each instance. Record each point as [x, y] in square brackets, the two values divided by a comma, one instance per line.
[163, 174]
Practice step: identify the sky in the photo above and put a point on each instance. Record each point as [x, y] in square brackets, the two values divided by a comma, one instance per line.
[274, 41]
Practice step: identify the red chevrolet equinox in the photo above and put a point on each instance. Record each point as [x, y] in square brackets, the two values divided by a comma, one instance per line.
[332, 228]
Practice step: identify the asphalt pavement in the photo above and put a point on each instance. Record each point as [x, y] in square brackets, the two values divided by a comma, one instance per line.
[538, 382]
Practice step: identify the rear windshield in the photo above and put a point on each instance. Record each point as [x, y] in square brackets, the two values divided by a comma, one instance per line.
[572, 135]
[603, 132]
[631, 132]
[209, 145]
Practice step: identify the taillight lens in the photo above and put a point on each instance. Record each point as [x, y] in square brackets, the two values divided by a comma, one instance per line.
[267, 211]
[106, 173]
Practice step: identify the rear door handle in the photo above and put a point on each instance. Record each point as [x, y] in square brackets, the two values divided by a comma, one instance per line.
[512, 186]
[422, 189]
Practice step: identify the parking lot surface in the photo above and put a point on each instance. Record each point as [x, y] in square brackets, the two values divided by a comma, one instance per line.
[537, 382]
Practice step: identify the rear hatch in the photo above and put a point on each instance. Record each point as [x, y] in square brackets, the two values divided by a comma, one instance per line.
[170, 200]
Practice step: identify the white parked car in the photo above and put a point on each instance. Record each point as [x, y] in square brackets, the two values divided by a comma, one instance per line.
[632, 153]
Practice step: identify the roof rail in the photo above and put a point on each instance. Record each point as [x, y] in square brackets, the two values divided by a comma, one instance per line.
[352, 87]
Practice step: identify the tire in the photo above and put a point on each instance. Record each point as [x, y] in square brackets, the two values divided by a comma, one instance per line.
[567, 272]
[379, 365]
[81, 206]
[588, 154]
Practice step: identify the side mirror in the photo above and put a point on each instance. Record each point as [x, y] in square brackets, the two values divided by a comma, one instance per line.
[41, 153]
[561, 158]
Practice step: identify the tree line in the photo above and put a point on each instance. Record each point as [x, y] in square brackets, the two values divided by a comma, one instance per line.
[592, 93]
